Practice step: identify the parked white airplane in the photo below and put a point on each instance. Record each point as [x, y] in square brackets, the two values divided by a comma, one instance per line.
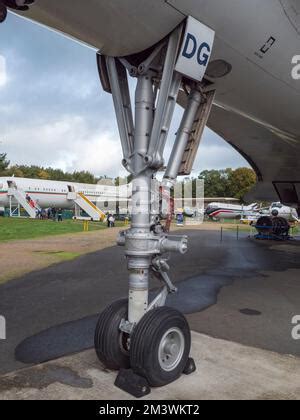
[35, 194]
[219, 211]
[233, 66]
[280, 210]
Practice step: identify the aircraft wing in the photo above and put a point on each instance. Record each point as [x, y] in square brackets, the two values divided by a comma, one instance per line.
[273, 155]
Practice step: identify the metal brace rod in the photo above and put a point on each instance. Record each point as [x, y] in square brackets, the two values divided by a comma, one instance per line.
[183, 135]
[160, 299]
[162, 108]
[121, 97]
[145, 66]
[176, 83]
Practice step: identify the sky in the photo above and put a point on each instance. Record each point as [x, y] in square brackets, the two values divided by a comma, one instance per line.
[54, 113]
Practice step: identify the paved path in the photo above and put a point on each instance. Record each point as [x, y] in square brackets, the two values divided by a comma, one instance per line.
[225, 371]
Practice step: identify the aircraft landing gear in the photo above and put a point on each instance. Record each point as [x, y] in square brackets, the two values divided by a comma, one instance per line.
[151, 339]
[160, 346]
[111, 344]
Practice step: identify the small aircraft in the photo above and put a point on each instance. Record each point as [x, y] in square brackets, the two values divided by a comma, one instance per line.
[220, 211]
[280, 210]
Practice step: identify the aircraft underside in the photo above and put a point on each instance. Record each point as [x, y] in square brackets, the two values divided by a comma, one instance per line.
[247, 96]
[244, 70]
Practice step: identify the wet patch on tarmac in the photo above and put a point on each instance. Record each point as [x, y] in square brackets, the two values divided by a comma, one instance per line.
[250, 312]
[198, 293]
[194, 295]
[44, 377]
[61, 340]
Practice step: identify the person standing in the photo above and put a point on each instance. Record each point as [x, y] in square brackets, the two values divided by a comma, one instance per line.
[60, 215]
[111, 221]
[53, 214]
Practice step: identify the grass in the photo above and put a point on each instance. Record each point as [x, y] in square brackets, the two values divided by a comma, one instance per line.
[295, 230]
[12, 229]
[62, 255]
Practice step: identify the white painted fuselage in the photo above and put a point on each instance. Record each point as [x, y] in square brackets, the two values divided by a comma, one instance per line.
[221, 211]
[55, 193]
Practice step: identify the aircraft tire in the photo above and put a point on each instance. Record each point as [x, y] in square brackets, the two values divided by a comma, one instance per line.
[160, 346]
[110, 343]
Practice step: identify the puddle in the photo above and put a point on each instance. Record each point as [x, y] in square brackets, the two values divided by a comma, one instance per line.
[44, 377]
[250, 312]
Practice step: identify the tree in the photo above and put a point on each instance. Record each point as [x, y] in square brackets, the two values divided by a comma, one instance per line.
[228, 182]
[216, 182]
[122, 181]
[241, 181]
[84, 177]
[4, 163]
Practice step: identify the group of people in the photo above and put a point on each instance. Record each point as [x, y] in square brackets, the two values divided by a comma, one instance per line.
[43, 214]
[57, 214]
[50, 214]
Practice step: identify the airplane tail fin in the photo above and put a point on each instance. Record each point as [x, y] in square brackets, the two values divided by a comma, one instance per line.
[253, 206]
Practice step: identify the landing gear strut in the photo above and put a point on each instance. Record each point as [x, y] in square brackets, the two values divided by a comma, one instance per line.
[147, 336]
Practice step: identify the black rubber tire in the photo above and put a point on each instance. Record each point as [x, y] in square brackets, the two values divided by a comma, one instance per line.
[3, 12]
[108, 337]
[145, 341]
[281, 226]
[264, 225]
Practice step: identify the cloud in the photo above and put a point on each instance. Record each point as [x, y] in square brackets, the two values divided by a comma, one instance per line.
[217, 156]
[72, 143]
[69, 143]
[3, 73]
[213, 153]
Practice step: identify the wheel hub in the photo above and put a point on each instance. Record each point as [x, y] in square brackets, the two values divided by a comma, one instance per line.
[171, 349]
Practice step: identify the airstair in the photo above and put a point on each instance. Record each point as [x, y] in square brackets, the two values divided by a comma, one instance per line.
[82, 202]
[19, 197]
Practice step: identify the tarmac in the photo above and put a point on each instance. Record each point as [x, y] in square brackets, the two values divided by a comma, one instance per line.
[244, 292]
[225, 371]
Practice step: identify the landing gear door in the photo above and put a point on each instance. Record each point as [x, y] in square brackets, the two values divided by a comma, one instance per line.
[196, 50]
